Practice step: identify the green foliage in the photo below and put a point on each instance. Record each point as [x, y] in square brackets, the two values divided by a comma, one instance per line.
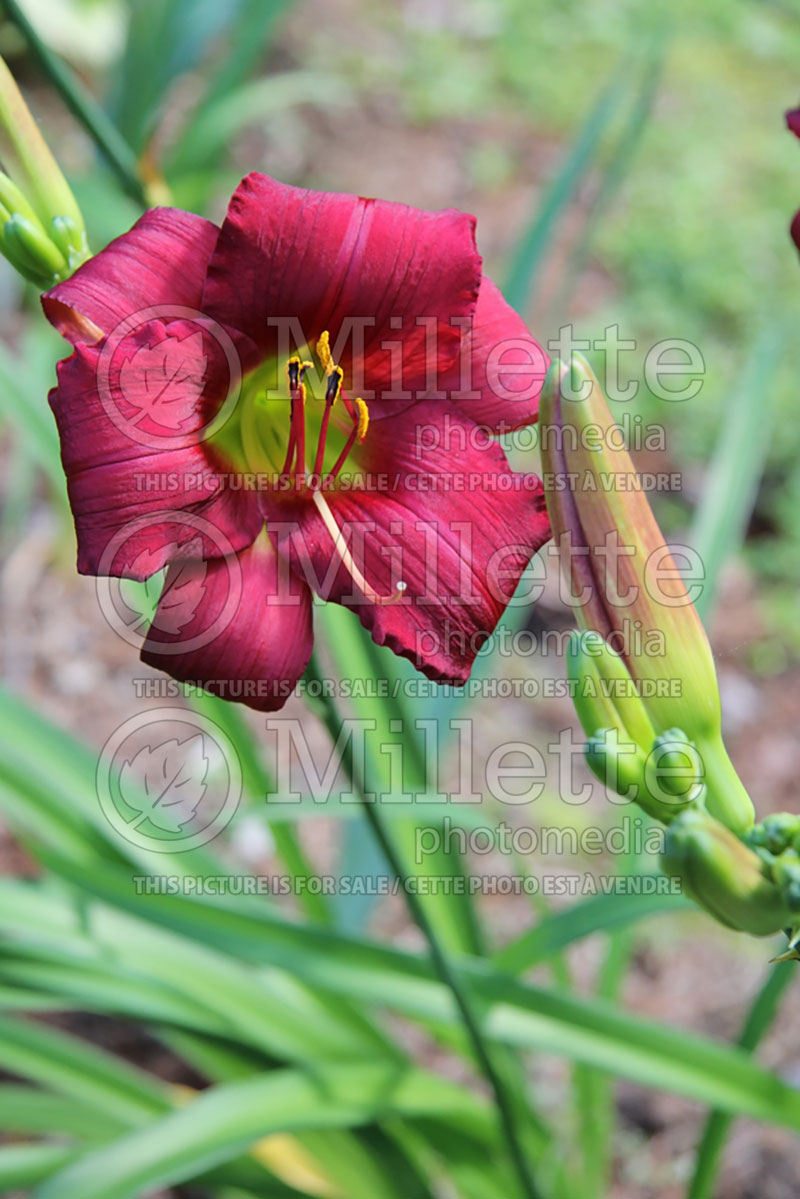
[668, 118]
[694, 241]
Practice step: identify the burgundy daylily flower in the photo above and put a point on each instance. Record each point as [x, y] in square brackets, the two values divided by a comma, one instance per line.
[793, 123]
[303, 400]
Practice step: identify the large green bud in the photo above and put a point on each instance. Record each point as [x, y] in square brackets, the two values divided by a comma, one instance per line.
[622, 577]
[724, 876]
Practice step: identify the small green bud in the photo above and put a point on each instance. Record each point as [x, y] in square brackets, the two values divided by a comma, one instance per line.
[791, 895]
[40, 259]
[775, 833]
[70, 239]
[618, 764]
[786, 876]
[674, 767]
[605, 695]
[764, 856]
[13, 200]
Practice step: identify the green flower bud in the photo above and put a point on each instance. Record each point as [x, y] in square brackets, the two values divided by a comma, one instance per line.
[723, 875]
[24, 243]
[621, 766]
[43, 234]
[622, 575]
[786, 876]
[674, 766]
[604, 693]
[70, 239]
[618, 764]
[13, 201]
[775, 833]
[661, 774]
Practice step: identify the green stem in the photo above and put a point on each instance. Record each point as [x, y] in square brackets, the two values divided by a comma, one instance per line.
[83, 106]
[441, 962]
[595, 1087]
[726, 798]
[759, 1018]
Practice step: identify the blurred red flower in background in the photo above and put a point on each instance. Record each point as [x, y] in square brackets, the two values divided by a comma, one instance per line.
[793, 121]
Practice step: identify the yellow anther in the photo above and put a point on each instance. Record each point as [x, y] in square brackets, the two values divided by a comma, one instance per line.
[295, 369]
[324, 352]
[363, 418]
[334, 385]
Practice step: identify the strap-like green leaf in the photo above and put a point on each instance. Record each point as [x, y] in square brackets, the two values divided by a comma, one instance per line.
[224, 1121]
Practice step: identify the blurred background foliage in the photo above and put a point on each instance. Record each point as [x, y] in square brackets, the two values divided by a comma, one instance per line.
[672, 223]
[629, 165]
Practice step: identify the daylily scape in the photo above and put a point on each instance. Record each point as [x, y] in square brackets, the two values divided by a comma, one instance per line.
[303, 401]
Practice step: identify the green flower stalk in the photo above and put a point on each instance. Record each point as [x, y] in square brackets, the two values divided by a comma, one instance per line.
[640, 664]
[42, 233]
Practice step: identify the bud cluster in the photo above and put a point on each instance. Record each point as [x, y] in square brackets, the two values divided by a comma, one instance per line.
[662, 750]
[751, 884]
[42, 232]
[776, 841]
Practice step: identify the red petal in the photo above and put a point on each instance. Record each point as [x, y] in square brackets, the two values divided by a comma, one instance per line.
[215, 626]
[793, 121]
[160, 262]
[323, 259]
[795, 230]
[497, 378]
[457, 527]
[122, 466]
